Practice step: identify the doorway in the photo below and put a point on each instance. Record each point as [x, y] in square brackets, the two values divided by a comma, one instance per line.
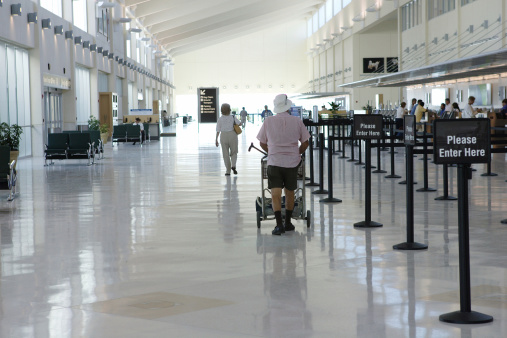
[52, 112]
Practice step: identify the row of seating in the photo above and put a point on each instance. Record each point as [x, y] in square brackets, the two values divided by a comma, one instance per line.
[73, 144]
[8, 174]
[129, 133]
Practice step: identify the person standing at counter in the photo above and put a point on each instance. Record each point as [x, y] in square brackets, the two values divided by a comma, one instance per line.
[419, 113]
[141, 126]
[503, 111]
[469, 112]
[448, 105]
[400, 112]
[414, 106]
[228, 138]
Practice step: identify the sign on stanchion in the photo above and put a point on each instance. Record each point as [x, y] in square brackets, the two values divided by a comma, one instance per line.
[463, 142]
[368, 127]
[409, 127]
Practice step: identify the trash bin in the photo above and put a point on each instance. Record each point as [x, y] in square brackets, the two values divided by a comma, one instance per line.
[185, 119]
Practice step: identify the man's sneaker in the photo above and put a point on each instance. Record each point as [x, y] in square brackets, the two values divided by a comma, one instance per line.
[289, 227]
[278, 230]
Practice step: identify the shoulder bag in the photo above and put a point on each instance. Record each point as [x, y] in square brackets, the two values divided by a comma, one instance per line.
[237, 128]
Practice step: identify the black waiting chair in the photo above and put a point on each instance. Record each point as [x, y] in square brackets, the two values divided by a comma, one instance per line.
[80, 147]
[133, 133]
[119, 134]
[98, 146]
[56, 148]
[8, 175]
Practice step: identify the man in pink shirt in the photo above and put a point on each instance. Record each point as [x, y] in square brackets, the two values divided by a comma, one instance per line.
[279, 137]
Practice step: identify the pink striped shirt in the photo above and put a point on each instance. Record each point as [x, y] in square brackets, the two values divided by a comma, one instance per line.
[281, 133]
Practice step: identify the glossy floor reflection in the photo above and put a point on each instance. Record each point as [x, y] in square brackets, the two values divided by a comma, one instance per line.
[155, 241]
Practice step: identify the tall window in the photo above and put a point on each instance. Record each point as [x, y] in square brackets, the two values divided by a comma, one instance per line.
[329, 10]
[83, 97]
[310, 27]
[79, 14]
[103, 21]
[131, 95]
[54, 6]
[102, 82]
[129, 37]
[346, 2]
[322, 16]
[15, 93]
[411, 14]
[337, 6]
[315, 21]
[138, 51]
[439, 7]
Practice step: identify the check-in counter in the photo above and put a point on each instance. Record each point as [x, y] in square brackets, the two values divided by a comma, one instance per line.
[151, 120]
[497, 120]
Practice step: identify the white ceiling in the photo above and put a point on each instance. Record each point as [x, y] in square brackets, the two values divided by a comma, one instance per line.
[181, 26]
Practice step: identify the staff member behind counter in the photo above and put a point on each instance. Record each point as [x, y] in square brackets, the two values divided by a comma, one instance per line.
[138, 123]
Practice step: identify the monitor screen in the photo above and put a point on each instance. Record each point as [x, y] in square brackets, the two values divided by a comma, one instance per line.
[438, 96]
[482, 94]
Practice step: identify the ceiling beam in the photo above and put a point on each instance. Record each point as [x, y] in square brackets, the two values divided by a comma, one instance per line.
[169, 19]
[235, 19]
[209, 38]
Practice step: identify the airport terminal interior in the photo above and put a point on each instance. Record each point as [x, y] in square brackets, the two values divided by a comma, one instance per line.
[151, 239]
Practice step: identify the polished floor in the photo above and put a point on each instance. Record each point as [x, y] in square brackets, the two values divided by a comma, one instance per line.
[155, 241]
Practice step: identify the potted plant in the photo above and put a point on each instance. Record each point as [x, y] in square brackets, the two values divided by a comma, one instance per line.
[104, 132]
[10, 136]
[368, 108]
[334, 107]
[94, 124]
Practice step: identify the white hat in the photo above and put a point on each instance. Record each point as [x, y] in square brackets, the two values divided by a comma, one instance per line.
[282, 103]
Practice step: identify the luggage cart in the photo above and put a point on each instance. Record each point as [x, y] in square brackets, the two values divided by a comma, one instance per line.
[263, 204]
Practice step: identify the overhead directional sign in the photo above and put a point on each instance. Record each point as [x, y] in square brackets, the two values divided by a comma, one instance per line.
[462, 141]
[208, 105]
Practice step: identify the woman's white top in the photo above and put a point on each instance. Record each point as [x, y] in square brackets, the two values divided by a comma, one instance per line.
[400, 112]
[225, 123]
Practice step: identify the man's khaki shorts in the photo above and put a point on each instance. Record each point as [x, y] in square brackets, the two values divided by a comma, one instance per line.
[280, 177]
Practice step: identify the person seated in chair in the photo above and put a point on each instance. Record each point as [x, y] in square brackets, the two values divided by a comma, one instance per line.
[138, 123]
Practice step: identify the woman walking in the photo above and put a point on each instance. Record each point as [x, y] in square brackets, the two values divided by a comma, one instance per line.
[228, 138]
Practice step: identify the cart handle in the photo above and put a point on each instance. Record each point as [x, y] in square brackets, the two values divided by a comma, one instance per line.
[252, 146]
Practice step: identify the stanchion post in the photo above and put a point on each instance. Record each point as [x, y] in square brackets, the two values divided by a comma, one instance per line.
[425, 164]
[312, 175]
[392, 152]
[447, 151]
[445, 196]
[321, 166]
[330, 198]
[360, 161]
[379, 168]
[352, 158]
[465, 315]
[368, 127]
